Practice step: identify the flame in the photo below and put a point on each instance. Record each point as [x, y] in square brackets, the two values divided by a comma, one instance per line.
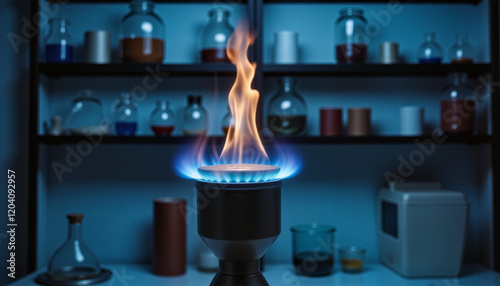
[242, 144]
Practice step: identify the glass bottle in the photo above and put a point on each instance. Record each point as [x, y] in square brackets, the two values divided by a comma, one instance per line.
[215, 36]
[458, 106]
[287, 111]
[461, 52]
[86, 115]
[125, 116]
[430, 51]
[142, 34]
[227, 121]
[59, 44]
[162, 120]
[195, 117]
[73, 260]
[351, 46]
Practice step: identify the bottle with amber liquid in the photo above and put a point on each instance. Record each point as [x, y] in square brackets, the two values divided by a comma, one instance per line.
[215, 36]
[351, 46]
[461, 52]
[287, 111]
[162, 119]
[142, 34]
[458, 106]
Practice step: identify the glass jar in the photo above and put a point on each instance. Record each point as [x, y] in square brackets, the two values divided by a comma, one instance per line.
[351, 46]
[430, 51]
[195, 117]
[86, 115]
[162, 120]
[287, 111]
[461, 52]
[125, 116]
[142, 34]
[73, 260]
[59, 44]
[313, 249]
[215, 36]
[458, 106]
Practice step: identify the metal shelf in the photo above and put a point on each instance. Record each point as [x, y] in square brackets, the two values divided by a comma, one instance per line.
[451, 139]
[473, 2]
[375, 69]
[232, 2]
[126, 69]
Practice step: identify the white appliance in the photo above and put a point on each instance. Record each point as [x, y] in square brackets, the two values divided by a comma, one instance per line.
[421, 229]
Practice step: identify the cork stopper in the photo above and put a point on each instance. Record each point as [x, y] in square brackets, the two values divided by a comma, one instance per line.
[75, 218]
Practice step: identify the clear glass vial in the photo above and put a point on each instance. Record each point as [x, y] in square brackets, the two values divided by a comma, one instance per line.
[287, 111]
[142, 38]
[215, 36]
[59, 46]
[461, 52]
[430, 52]
[350, 38]
[195, 117]
[162, 119]
[125, 116]
[73, 260]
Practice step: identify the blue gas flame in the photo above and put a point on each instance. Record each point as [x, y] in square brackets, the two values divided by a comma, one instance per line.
[204, 154]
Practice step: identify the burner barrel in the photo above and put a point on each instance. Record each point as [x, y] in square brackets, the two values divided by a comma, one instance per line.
[239, 222]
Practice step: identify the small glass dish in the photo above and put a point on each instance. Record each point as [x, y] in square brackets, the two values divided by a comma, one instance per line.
[352, 258]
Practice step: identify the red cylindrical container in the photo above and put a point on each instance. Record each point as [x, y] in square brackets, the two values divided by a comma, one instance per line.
[169, 248]
[331, 121]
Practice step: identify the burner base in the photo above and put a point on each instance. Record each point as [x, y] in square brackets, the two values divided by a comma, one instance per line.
[256, 279]
[244, 273]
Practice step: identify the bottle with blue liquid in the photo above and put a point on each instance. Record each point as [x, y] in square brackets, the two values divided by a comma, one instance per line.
[430, 52]
[125, 116]
[59, 44]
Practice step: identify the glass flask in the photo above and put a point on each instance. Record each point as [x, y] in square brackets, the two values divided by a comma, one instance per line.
[287, 111]
[86, 115]
[227, 121]
[458, 106]
[73, 260]
[59, 44]
[461, 52]
[430, 51]
[215, 36]
[351, 46]
[195, 117]
[125, 116]
[162, 120]
[142, 34]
